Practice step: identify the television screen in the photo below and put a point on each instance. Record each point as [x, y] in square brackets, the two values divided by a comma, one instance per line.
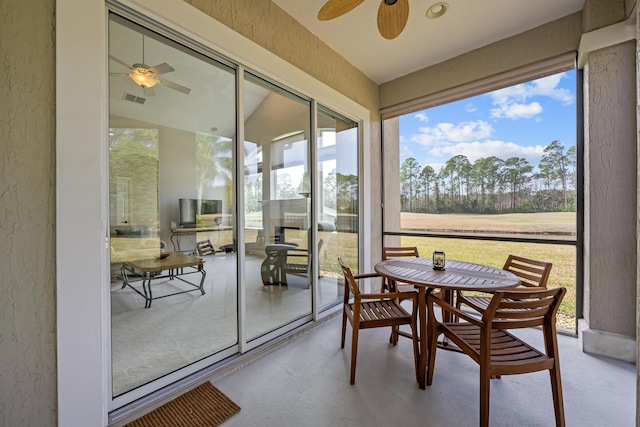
[211, 207]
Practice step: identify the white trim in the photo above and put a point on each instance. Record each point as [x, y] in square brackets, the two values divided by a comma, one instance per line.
[239, 182]
[605, 37]
[81, 278]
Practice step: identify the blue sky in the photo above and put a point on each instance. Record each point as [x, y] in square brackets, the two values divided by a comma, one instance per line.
[517, 121]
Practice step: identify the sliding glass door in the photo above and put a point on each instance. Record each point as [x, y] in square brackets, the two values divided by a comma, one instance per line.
[193, 280]
[337, 202]
[278, 238]
[172, 153]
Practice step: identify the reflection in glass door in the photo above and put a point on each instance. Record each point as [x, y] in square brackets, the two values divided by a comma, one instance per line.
[278, 239]
[172, 150]
[173, 218]
[337, 202]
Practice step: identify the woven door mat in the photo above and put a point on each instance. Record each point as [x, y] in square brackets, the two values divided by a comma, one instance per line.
[204, 406]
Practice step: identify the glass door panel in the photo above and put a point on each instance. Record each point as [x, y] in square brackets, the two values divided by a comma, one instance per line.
[337, 202]
[277, 207]
[172, 150]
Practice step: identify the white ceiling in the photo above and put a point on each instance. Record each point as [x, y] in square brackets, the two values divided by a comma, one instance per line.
[467, 25]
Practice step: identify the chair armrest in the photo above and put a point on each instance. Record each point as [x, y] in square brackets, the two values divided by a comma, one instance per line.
[431, 299]
[297, 252]
[527, 289]
[366, 276]
[390, 295]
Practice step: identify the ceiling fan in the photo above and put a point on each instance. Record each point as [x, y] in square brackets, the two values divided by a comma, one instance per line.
[392, 14]
[147, 77]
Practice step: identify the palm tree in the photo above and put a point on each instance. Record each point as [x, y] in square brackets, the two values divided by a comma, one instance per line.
[214, 164]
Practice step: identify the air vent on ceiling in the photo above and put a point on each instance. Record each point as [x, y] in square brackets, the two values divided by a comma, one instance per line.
[133, 98]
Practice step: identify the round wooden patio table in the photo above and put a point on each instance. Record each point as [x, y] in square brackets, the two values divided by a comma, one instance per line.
[458, 275]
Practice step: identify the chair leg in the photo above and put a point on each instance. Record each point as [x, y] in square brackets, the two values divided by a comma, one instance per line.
[344, 327]
[354, 353]
[556, 389]
[485, 388]
[393, 339]
[432, 343]
[416, 351]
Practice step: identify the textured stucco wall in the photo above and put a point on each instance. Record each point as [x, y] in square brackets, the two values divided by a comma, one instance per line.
[601, 13]
[611, 191]
[27, 212]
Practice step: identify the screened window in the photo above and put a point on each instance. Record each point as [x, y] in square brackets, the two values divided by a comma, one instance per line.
[489, 175]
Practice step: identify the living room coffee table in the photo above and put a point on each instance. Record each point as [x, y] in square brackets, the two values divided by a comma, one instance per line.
[176, 264]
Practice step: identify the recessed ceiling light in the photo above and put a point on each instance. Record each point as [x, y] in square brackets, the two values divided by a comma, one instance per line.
[437, 10]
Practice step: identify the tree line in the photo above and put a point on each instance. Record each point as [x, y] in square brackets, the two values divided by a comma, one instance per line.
[491, 184]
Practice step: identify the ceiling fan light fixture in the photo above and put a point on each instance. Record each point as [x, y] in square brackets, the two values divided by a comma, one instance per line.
[437, 10]
[143, 79]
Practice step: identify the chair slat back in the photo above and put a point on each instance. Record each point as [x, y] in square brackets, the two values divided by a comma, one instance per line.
[350, 282]
[205, 248]
[532, 273]
[510, 310]
[399, 252]
[396, 252]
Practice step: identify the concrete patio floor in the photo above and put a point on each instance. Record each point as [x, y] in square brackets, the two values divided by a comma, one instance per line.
[306, 383]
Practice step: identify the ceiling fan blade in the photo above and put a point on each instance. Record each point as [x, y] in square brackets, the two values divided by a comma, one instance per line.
[174, 86]
[392, 18]
[161, 68]
[121, 62]
[334, 8]
[148, 91]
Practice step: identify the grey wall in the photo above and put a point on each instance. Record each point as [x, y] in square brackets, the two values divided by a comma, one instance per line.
[27, 214]
[610, 202]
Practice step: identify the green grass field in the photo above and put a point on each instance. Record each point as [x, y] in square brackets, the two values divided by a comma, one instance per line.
[559, 225]
[490, 253]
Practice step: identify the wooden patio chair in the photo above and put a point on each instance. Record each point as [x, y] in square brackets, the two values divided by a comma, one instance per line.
[299, 260]
[394, 286]
[374, 311]
[205, 248]
[398, 252]
[533, 276]
[498, 352]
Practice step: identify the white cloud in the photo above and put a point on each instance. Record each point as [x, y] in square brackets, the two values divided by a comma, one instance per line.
[471, 108]
[422, 117]
[512, 103]
[501, 149]
[516, 111]
[448, 133]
